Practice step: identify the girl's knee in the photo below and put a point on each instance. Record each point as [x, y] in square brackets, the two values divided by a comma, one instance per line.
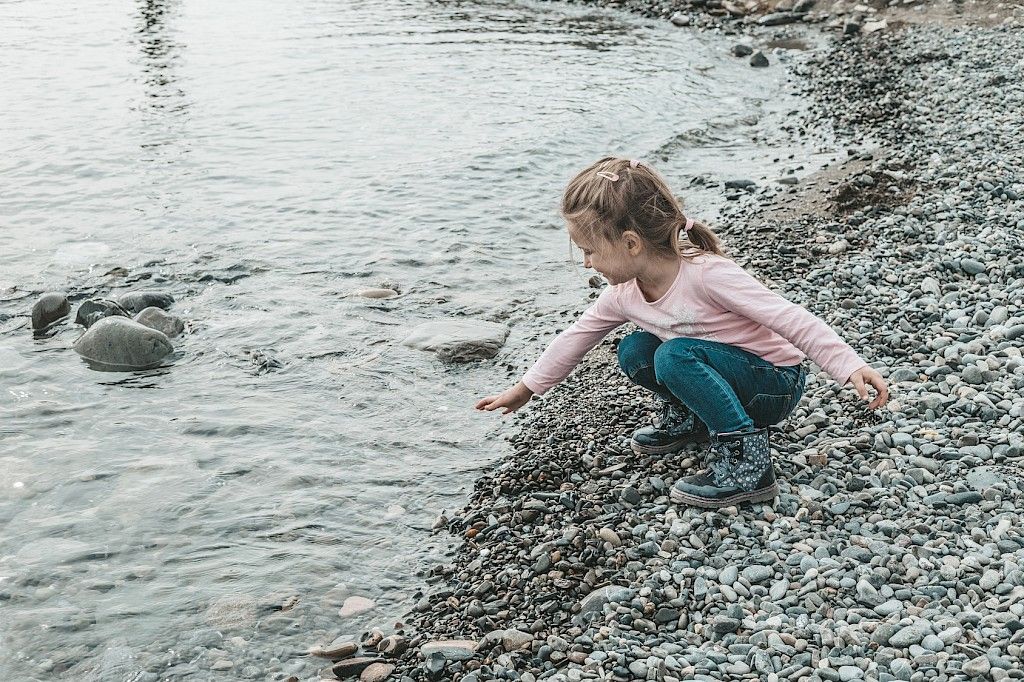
[674, 351]
[637, 348]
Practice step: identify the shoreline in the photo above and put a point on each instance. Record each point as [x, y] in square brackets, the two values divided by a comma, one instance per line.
[894, 550]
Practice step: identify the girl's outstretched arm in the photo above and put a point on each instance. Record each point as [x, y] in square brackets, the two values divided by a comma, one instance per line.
[562, 355]
[511, 399]
[735, 289]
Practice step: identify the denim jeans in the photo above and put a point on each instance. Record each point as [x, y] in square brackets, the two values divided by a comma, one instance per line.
[724, 386]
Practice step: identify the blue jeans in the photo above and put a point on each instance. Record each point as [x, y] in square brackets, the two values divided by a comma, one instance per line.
[724, 386]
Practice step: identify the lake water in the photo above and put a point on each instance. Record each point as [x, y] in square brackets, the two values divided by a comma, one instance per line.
[261, 161]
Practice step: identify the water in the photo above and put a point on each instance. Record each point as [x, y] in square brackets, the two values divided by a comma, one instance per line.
[261, 161]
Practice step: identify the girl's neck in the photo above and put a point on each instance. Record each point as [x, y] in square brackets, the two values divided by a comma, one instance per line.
[657, 277]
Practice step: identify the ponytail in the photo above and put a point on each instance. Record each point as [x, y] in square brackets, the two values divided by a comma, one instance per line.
[699, 239]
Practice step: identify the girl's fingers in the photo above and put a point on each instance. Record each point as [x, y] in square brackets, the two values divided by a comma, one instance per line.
[858, 383]
[883, 391]
[485, 404]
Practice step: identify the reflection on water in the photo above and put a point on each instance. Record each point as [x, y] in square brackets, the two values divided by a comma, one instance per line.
[262, 162]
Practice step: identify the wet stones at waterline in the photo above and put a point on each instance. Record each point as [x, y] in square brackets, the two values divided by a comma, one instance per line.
[120, 344]
[50, 308]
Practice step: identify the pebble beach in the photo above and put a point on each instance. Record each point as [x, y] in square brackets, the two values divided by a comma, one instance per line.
[895, 549]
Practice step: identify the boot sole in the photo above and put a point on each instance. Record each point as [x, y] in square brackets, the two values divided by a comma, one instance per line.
[762, 495]
[665, 449]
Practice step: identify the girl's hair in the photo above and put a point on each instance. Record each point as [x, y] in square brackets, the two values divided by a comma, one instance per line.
[614, 195]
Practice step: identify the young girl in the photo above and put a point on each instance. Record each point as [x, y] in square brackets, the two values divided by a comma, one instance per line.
[723, 352]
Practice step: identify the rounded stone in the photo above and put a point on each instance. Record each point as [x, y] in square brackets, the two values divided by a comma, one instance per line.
[758, 60]
[48, 309]
[155, 318]
[137, 301]
[120, 344]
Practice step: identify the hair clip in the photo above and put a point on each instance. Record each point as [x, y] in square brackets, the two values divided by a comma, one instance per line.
[633, 163]
[688, 225]
[609, 176]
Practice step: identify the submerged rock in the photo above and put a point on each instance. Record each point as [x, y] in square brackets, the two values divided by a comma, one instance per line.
[377, 293]
[459, 340]
[355, 605]
[137, 301]
[93, 310]
[341, 647]
[48, 309]
[121, 344]
[155, 318]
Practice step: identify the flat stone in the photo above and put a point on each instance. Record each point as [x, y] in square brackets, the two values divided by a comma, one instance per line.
[376, 293]
[977, 666]
[376, 672]
[458, 340]
[342, 647]
[758, 574]
[729, 575]
[450, 649]
[666, 615]
[514, 640]
[847, 673]
[350, 667]
[355, 605]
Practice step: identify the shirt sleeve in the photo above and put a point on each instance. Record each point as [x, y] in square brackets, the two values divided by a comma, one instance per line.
[733, 288]
[569, 347]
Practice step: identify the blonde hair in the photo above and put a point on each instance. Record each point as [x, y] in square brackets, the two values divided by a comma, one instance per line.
[612, 196]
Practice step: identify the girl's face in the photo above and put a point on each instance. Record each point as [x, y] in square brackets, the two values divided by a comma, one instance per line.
[612, 259]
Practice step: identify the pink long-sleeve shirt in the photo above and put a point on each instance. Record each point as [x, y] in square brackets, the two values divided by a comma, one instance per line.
[711, 298]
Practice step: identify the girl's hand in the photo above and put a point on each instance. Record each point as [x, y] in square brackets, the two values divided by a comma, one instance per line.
[511, 399]
[867, 375]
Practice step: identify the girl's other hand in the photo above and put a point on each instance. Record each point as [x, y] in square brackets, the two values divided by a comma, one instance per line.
[868, 375]
[511, 399]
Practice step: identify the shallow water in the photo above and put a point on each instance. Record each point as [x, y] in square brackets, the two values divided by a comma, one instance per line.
[261, 161]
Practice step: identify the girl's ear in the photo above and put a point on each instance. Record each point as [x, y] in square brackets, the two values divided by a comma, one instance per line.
[633, 242]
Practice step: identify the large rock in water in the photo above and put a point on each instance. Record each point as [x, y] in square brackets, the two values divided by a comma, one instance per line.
[48, 309]
[459, 340]
[120, 344]
[93, 310]
[137, 301]
[154, 318]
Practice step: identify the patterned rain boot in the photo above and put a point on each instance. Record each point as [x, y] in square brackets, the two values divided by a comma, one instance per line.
[672, 430]
[738, 469]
